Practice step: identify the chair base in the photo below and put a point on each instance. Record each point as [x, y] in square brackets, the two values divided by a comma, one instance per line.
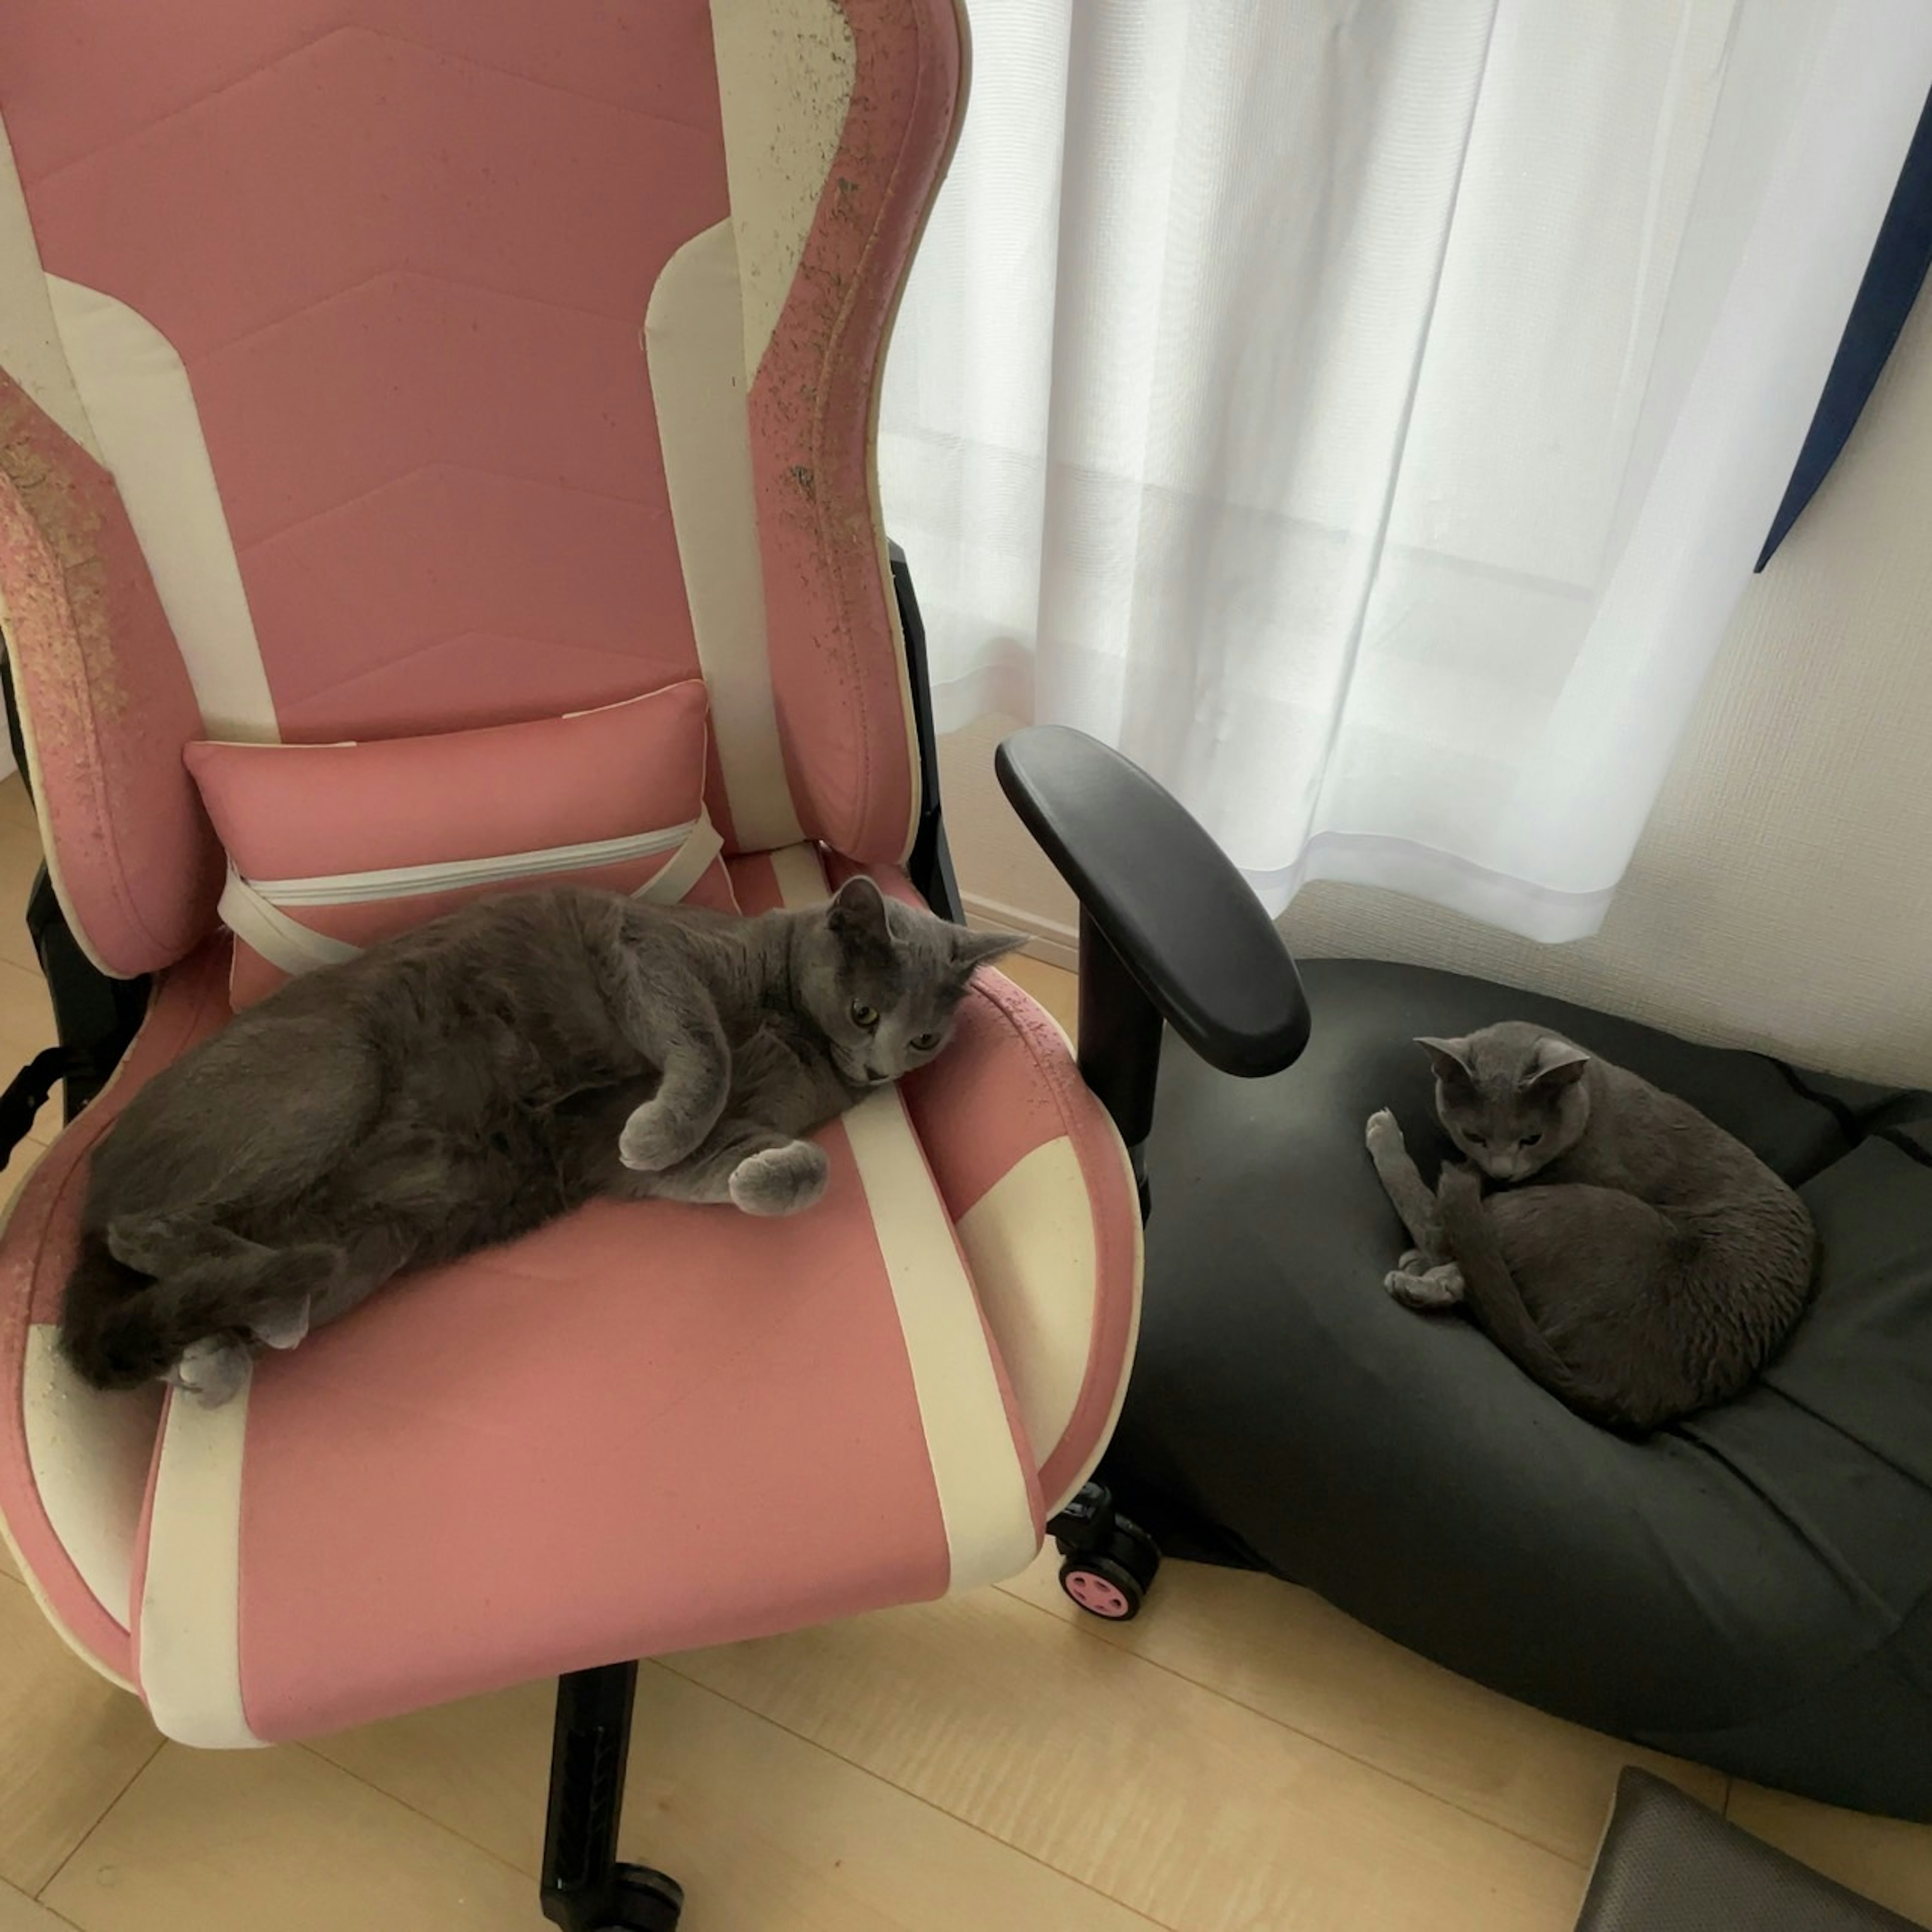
[1110, 1565]
[585, 1888]
[640, 1900]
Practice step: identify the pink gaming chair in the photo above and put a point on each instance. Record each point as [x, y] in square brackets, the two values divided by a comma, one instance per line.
[375, 369]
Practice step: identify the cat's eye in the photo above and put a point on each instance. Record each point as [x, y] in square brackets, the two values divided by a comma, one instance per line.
[1529, 1140]
[1477, 1140]
[863, 1015]
[925, 1042]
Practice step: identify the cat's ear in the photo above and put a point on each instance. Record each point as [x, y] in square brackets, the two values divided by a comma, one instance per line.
[858, 911]
[1559, 1065]
[1446, 1056]
[972, 949]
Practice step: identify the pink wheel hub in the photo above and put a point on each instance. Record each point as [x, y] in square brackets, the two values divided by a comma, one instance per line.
[1096, 1594]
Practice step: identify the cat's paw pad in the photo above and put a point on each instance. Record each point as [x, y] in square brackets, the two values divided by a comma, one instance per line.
[1383, 1134]
[1438, 1288]
[211, 1372]
[781, 1180]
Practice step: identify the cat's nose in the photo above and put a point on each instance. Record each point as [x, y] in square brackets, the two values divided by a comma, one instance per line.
[873, 1074]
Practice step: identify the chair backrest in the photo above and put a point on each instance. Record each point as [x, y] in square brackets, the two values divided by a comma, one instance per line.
[347, 297]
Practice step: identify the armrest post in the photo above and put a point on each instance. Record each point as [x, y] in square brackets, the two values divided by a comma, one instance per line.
[1119, 1047]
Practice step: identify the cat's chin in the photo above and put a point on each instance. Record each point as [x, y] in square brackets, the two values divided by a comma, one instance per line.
[854, 1075]
[1516, 1177]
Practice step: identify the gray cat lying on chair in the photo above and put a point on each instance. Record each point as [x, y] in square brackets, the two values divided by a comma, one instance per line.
[1654, 1267]
[463, 1083]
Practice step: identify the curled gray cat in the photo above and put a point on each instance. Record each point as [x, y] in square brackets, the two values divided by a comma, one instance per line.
[461, 1084]
[1636, 1260]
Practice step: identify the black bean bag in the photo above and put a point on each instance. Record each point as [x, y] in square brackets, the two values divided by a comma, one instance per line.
[1668, 1864]
[1752, 1588]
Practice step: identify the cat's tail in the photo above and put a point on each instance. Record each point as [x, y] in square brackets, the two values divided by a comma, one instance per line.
[119, 1328]
[1496, 1304]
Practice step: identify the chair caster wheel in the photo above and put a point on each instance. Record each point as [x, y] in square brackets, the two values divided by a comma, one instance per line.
[1110, 1562]
[647, 1901]
[1102, 1588]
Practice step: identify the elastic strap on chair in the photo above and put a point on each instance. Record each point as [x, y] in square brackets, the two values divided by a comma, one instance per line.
[31, 1088]
[259, 923]
[686, 866]
[270, 932]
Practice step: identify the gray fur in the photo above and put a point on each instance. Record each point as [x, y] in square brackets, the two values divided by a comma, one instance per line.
[1654, 1267]
[463, 1083]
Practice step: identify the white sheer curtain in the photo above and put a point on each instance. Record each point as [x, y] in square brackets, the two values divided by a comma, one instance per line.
[1367, 415]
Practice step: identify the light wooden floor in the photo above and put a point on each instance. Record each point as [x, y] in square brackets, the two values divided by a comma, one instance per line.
[1243, 1757]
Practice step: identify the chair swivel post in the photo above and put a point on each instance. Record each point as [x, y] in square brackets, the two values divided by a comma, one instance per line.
[585, 1887]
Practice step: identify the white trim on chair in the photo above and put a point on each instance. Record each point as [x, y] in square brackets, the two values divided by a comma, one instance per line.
[137, 396]
[30, 343]
[190, 1659]
[785, 74]
[984, 1499]
[89, 1453]
[693, 346]
[1029, 1240]
[1055, 1505]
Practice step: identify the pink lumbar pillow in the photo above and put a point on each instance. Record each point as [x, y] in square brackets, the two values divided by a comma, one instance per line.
[331, 847]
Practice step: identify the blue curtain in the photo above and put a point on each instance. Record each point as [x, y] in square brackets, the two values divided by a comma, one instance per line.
[1885, 298]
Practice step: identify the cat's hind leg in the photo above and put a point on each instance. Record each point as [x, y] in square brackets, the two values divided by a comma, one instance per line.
[274, 1287]
[317, 1284]
[204, 1325]
[181, 1242]
[1411, 1200]
[257, 1118]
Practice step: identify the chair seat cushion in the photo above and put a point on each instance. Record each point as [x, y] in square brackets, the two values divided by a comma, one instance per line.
[644, 1427]
[1752, 1587]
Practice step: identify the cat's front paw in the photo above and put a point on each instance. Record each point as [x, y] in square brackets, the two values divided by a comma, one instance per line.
[781, 1180]
[1438, 1287]
[644, 1146]
[211, 1372]
[1383, 1134]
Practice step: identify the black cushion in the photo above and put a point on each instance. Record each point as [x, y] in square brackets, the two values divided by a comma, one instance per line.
[1668, 1864]
[1753, 1587]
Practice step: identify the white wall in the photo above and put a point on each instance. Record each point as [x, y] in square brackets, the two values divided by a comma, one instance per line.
[1782, 896]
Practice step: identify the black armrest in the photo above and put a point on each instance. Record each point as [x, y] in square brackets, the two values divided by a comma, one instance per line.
[1169, 930]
